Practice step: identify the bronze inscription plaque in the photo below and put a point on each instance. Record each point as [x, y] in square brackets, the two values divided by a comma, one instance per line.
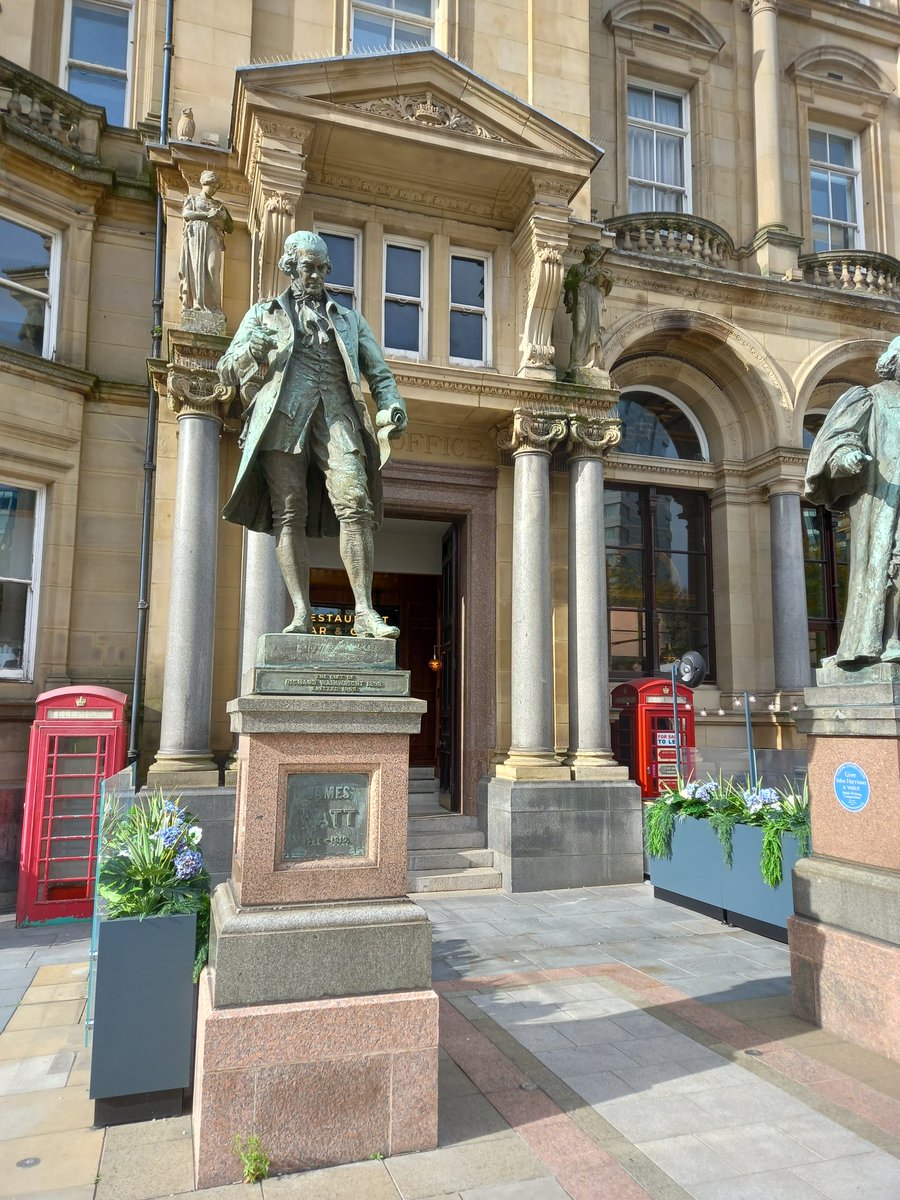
[326, 816]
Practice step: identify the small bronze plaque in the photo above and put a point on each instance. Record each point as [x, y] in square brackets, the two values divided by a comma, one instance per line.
[326, 816]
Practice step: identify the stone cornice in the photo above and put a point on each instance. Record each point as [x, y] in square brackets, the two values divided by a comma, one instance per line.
[27, 366]
[488, 389]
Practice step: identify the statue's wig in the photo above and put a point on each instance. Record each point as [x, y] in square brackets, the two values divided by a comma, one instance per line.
[298, 245]
[886, 367]
[209, 176]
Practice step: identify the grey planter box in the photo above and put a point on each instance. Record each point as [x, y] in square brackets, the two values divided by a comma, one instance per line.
[697, 875]
[144, 1012]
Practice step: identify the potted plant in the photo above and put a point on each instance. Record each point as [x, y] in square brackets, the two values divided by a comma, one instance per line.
[152, 944]
[728, 849]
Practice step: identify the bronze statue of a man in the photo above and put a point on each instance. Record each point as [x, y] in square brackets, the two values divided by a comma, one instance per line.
[310, 463]
[854, 466]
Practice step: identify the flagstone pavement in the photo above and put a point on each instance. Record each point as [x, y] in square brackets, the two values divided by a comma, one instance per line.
[596, 1044]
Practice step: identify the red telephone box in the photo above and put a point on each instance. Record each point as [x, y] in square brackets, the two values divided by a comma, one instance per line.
[643, 738]
[77, 740]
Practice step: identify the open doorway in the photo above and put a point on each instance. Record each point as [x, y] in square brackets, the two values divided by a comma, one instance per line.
[413, 587]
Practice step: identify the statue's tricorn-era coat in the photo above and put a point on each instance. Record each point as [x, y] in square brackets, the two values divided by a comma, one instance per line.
[249, 503]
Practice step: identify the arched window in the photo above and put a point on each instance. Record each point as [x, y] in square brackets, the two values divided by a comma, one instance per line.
[658, 425]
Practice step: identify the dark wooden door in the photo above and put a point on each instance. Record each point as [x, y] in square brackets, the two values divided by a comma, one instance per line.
[448, 735]
[414, 603]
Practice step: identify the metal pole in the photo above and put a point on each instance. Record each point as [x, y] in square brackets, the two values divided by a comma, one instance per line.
[751, 751]
[675, 719]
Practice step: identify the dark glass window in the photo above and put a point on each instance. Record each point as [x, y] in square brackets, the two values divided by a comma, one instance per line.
[380, 25]
[24, 287]
[18, 528]
[468, 311]
[826, 563]
[403, 293]
[653, 425]
[342, 280]
[658, 577]
[98, 56]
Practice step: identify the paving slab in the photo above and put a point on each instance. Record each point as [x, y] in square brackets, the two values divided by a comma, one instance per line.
[497, 1160]
[37, 1016]
[47, 1111]
[687, 1160]
[874, 1176]
[535, 1189]
[64, 1160]
[135, 1166]
[35, 1074]
[359, 1181]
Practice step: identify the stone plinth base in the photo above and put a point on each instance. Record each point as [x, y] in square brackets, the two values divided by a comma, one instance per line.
[574, 833]
[309, 951]
[173, 772]
[846, 983]
[321, 1082]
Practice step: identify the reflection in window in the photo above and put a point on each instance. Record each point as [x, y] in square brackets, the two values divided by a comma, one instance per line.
[342, 281]
[812, 423]
[18, 535]
[657, 145]
[24, 288]
[383, 25]
[468, 308]
[658, 577]
[834, 182]
[652, 424]
[404, 292]
[826, 564]
[98, 55]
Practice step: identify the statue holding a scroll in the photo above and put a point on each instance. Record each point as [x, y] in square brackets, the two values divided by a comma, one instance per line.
[311, 456]
[854, 467]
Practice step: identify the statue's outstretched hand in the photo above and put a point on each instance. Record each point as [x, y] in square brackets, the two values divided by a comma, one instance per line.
[261, 342]
[849, 461]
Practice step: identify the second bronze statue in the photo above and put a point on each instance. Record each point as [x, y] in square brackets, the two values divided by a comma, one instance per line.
[310, 462]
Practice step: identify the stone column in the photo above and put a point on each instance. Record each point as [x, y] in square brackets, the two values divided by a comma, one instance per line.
[789, 615]
[265, 599]
[532, 439]
[776, 248]
[196, 396]
[590, 756]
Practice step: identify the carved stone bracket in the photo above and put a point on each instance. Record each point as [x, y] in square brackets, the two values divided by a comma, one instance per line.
[534, 432]
[275, 222]
[540, 243]
[277, 172]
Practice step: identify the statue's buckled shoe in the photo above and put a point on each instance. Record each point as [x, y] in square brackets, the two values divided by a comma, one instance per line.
[370, 625]
[301, 624]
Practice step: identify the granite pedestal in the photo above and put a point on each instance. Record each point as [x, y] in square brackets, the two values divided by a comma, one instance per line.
[845, 934]
[317, 1026]
[548, 834]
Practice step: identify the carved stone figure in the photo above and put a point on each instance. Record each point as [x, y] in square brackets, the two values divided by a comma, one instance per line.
[185, 129]
[854, 466]
[206, 222]
[586, 287]
[311, 458]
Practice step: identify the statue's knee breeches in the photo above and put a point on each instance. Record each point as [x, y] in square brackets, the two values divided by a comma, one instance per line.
[285, 476]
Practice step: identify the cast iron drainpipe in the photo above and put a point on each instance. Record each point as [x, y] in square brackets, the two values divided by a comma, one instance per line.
[143, 606]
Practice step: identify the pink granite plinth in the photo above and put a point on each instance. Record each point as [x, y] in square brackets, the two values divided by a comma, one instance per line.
[321, 1082]
[872, 835]
[261, 872]
[846, 983]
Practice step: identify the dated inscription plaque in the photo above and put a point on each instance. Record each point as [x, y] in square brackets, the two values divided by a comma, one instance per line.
[326, 816]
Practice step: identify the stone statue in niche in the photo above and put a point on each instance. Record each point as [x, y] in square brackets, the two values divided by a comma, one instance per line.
[854, 467]
[206, 223]
[585, 290]
[311, 457]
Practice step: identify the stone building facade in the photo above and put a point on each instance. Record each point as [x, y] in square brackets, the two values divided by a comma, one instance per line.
[733, 161]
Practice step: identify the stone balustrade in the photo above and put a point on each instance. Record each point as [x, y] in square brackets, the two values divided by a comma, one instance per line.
[687, 238]
[863, 272]
[39, 107]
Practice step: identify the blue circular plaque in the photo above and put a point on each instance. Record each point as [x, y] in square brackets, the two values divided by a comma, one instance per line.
[851, 786]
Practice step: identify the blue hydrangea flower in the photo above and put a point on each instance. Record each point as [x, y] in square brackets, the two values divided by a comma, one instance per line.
[706, 791]
[188, 863]
[170, 836]
[758, 800]
[172, 808]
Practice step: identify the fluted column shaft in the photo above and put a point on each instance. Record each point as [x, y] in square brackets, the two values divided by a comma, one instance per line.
[789, 611]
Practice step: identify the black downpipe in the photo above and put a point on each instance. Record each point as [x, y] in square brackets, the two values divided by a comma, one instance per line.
[143, 606]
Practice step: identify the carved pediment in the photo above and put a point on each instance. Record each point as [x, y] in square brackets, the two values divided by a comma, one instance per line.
[428, 112]
[839, 71]
[665, 23]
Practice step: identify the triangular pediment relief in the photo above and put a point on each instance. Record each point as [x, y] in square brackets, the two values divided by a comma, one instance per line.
[428, 111]
[421, 90]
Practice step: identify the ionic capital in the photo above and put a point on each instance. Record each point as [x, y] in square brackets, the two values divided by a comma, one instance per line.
[593, 436]
[197, 393]
[533, 432]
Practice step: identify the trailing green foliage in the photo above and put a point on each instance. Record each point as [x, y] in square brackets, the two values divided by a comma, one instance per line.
[254, 1158]
[724, 805]
[150, 866]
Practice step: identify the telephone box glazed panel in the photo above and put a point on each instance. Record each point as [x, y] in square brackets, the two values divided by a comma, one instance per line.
[643, 738]
[77, 740]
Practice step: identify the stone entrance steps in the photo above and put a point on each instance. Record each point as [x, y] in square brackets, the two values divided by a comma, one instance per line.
[446, 851]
